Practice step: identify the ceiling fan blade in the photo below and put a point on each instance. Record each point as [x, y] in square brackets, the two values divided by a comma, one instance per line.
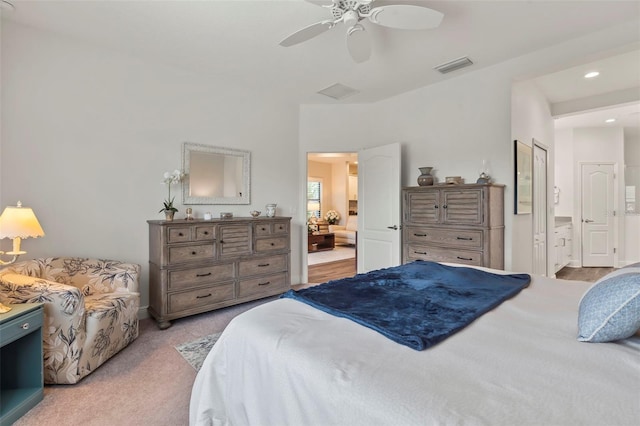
[406, 17]
[358, 43]
[324, 3]
[307, 33]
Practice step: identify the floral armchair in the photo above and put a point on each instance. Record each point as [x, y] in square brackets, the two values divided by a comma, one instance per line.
[90, 310]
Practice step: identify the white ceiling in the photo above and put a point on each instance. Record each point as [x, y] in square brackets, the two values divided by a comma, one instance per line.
[238, 41]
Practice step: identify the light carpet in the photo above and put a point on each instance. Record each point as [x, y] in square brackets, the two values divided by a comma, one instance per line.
[196, 351]
[338, 253]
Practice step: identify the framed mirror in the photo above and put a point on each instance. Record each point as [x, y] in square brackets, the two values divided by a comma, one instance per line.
[215, 175]
[523, 178]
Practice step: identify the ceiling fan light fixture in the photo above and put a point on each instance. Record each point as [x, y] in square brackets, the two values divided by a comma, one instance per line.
[454, 65]
[338, 91]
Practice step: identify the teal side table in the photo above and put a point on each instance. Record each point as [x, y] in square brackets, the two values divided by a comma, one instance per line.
[21, 376]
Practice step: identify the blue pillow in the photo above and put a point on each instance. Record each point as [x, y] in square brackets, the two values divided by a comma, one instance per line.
[610, 309]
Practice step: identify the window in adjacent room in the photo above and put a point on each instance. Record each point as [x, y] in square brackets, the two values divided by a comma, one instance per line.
[314, 191]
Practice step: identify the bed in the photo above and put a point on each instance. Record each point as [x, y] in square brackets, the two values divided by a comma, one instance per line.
[288, 363]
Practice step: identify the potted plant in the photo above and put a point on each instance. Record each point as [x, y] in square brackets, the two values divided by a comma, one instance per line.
[170, 179]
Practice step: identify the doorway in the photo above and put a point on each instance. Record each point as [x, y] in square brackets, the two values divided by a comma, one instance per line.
[331, 212]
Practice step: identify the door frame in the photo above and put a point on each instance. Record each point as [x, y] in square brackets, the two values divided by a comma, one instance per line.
[616, 210]
[548, 270]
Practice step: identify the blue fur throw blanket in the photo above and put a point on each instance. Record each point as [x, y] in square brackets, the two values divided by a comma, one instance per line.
[418, 304]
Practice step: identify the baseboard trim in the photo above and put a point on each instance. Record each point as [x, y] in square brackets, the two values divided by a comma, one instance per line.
[143, 312]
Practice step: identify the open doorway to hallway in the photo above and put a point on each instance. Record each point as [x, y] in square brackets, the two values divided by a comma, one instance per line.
[332, 208]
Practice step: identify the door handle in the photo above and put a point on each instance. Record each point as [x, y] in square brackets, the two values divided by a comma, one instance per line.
[588, 221]
[394, 227]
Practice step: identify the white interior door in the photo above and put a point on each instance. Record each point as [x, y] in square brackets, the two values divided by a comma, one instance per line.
[539, 210]
[597, 215]
[379, 207]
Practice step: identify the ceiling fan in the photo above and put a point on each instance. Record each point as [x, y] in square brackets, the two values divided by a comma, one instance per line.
[352, 12]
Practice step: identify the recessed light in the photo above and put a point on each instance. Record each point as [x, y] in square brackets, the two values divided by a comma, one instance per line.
[591, 74]
[610, 120]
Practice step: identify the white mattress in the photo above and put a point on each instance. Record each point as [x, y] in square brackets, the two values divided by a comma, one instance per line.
[286, 363]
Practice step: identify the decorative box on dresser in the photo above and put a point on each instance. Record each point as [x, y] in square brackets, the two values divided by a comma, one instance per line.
[454, 223]
[197, 266]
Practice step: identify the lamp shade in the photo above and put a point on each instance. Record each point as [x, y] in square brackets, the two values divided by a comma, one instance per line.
[19, 222]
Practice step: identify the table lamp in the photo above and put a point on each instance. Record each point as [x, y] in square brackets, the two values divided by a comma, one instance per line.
[17, 223]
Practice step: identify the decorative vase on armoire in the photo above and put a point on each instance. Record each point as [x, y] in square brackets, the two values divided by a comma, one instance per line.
[425, 178]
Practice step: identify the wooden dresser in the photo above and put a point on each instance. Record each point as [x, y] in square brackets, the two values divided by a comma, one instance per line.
[454, 223]
[197, 266]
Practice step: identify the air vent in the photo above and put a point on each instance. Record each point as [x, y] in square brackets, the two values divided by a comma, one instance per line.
[338, 91]
[456, 64]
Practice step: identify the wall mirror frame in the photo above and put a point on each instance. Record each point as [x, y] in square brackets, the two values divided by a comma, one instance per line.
[523, 178]
[215, 175]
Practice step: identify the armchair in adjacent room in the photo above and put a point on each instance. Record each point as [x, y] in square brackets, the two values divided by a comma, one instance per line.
[90, 310]
[346, 234]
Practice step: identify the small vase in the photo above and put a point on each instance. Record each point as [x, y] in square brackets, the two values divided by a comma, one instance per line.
[425, 178]
[271, 210]
[168, 215]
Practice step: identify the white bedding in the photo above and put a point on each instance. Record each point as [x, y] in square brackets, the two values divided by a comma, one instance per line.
[286, 363]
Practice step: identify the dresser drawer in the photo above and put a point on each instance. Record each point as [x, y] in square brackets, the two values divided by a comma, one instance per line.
[204, 232]
[181, 254]
[201, 297]
[262, 229]
[264, 285]
[275, 228]
[265, 265]
[271, 244]
[185, 278]
[450, 237]
[178, 234]
[438, 254]
[21, 326]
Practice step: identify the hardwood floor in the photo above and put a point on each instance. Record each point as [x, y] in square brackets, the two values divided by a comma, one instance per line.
[332, 271]
[582, 274]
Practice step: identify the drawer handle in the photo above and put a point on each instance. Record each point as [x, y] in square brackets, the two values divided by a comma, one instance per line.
[263, 229]
[435, 207]
[273, 244]
[281, 227]
[263, 265]
[25, 326]
[445, 206]
[180, 234]
[194, 253]
[464, 258]
[203, 297]
[203, 275]
[267, 283]
[420, 235]
[464, 238]
[420, 252]
[206, 232]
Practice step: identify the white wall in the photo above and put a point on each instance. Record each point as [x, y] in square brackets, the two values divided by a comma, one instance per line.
[563, 167]
[339, 191]
[632, 221]
[87, 134]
